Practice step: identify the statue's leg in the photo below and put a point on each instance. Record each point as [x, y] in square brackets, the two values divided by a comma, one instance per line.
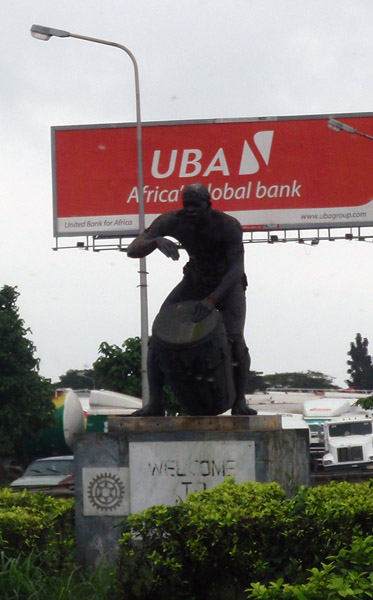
[241, 368]
[233, 311]
[155, 406]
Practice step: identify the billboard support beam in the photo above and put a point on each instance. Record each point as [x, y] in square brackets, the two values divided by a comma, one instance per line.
[300, 236]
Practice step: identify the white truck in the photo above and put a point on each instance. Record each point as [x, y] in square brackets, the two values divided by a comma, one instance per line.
[349, 441]
[340, 432]
[317, 412]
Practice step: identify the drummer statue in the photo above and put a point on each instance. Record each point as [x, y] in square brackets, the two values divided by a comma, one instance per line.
[214, 277]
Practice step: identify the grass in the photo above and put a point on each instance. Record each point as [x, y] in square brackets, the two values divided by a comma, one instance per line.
[27, 579]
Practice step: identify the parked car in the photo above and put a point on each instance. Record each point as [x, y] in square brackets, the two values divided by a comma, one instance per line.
[53, 476]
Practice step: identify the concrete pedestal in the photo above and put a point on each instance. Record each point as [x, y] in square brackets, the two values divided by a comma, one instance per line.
[142, 462]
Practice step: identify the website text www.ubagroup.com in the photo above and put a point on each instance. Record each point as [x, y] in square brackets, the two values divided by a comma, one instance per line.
[334, 216]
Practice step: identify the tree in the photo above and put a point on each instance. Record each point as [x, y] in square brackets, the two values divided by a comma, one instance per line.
[366, 403]
[119, 370]
[255, 382]
[26, 405]
[78, 379]
[300, 380]
[360, 365]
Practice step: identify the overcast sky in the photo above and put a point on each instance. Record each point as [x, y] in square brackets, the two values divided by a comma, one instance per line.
[198, 59]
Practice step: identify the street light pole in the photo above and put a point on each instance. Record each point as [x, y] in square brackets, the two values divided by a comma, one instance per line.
[45, 33]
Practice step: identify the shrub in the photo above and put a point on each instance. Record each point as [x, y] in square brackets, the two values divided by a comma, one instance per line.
[37, 560]
[217, 542]
[347, 575]
[35, 521]
[210, 541]
[322, 520]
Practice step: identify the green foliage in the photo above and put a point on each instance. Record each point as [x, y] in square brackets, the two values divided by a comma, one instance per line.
[232, 542]
[77, 379]
[36, 521]
[366, 403]
[360, 365]
[119, 368]
[218, 542]
[209, 542]
[346, 575]
[302, 380]
[29, 577]
[25, 397]
[37, 558]
[322, 520]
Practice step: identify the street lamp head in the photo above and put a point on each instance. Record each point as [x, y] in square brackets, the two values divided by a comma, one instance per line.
[45, 33]
[334, 125]
[338, 126]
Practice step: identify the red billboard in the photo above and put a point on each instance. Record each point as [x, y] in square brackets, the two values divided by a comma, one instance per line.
[270, 173]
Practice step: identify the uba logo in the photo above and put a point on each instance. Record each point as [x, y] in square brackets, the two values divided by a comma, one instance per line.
[190, 161]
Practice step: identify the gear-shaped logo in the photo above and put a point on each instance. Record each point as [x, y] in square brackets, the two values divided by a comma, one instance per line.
[106, 491]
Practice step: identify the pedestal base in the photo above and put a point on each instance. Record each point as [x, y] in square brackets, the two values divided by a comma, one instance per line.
[142, 462]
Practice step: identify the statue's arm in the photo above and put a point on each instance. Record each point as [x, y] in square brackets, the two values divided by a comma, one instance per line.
[141, 247]
[153, 238]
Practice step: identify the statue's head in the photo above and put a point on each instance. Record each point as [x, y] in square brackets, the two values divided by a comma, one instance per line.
[196, 202]
[196, 191]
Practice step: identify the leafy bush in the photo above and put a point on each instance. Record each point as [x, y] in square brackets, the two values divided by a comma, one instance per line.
[37, 559]
[322, 520]
[36, 521]
[234, 542]
[210, 541]
[347, 575]
[217, 542]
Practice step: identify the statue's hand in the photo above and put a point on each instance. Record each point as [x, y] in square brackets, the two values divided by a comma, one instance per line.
[201, 310]
[168, 248]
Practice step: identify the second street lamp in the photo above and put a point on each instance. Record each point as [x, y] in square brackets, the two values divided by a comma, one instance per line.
[337, 126]
[45, 33]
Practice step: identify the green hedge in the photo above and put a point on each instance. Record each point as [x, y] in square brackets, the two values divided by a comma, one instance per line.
[36, 522]
[322, 520]
[236, 541]
[347, 575]
[37, 552]
[218, 542]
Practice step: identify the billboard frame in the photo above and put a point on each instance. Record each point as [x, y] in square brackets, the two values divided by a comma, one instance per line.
[270, 227]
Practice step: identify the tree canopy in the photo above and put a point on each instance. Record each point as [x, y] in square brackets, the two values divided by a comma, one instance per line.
[77, 379]
[119, 368]
[25, 397]
[360, 365]
[300, 380]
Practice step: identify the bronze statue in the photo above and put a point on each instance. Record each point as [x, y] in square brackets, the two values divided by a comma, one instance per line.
[214, 278]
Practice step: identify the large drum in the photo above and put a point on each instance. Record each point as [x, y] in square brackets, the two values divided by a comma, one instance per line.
[195, 359]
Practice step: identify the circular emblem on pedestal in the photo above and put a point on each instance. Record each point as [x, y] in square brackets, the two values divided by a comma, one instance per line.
[106, 491]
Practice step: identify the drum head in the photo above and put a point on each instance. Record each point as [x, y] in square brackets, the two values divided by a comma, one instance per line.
[174, 327]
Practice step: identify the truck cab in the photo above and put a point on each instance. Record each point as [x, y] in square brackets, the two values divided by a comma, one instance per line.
[349, 442]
